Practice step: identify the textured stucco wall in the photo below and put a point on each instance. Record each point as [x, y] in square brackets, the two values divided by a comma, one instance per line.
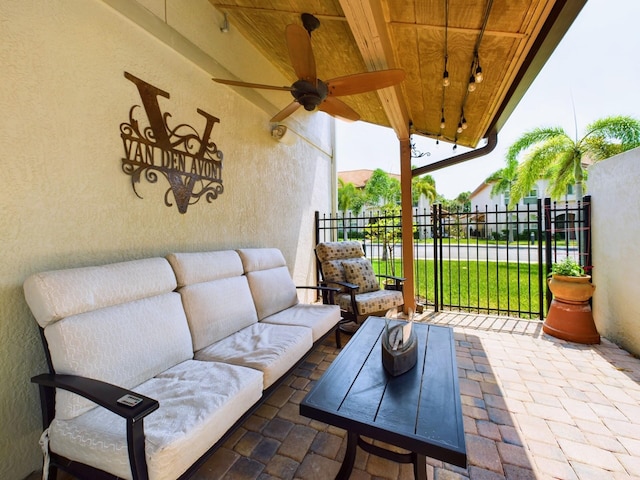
[65, 201]
[613, 186]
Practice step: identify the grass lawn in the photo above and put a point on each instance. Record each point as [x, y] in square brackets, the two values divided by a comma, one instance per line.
[484, 287]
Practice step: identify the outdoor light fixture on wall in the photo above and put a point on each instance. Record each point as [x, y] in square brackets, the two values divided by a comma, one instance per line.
[282, 134]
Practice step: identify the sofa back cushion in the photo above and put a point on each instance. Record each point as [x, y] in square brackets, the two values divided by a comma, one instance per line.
[198, 267]
[57, 294]
[217, 309]
[119, 323]
[269, 279]
[215, 294]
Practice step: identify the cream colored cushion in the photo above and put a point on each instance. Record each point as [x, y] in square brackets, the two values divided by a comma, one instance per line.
[272, 349]
[199, 402]
[320, 318]
[254, 259]
[272, 291]
[191, 268]
[122, 344]
[61, 293]
[269, 280]
[359, 272]
[217, 309]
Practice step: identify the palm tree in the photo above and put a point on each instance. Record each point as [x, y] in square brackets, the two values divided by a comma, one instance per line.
[423, 185]
[555, 156]
[349, 198]
[503, 179]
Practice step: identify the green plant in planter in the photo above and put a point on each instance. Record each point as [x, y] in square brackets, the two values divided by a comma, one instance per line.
[568, 267]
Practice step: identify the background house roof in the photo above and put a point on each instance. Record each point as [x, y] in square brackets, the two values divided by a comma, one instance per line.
[360, 177]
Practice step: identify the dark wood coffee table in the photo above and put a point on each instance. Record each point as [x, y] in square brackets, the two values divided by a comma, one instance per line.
[418, 411]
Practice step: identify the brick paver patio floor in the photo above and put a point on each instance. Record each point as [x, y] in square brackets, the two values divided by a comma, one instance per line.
[534, 407]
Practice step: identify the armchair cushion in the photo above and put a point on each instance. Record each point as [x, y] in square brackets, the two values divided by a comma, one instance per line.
[337, 250]
[333, 271]
[360, 272]
[372, 302]
[332, 254]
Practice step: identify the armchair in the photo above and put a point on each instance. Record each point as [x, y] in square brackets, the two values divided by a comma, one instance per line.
[343, 264]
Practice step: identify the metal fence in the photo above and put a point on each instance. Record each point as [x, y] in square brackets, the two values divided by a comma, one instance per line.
[484, 260]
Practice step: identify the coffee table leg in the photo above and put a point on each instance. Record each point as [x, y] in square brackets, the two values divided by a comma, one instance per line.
[419, 467]
[349, 457]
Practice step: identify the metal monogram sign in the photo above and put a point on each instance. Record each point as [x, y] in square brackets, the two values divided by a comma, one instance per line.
[192, 164]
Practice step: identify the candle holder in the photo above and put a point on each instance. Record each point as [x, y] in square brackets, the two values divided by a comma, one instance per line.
[399, 347]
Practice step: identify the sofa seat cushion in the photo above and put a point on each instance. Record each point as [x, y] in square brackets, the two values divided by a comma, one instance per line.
[371, 302]
[272, 349]
[199, 402]
[320, 318]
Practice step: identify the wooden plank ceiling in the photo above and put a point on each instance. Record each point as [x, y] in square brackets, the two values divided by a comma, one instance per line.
[363, 35]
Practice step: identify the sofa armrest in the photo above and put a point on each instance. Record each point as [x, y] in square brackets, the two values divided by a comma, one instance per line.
[105, 395]
[102, 393]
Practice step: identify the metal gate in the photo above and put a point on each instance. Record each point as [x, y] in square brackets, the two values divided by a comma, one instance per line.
[484, 260]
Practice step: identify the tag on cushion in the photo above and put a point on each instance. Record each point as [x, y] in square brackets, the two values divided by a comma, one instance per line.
[360, 272]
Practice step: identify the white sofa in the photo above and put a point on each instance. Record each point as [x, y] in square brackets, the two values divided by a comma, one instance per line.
[201, 338]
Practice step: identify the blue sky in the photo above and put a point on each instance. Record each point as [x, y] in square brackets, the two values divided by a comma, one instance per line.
[595, 70]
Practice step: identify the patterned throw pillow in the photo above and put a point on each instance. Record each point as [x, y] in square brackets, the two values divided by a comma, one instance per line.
[360, 272]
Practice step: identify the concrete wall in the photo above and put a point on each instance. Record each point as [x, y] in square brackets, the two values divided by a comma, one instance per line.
[613, 186]
[65, 200]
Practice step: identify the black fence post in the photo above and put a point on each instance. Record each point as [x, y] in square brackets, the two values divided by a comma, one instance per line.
[541, 270]
[435, 220]
[548, 244]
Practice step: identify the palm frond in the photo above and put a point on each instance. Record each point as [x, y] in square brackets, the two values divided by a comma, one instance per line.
[618, 129]
[528, 139]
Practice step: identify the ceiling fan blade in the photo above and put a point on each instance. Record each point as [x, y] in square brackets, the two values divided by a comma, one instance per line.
[300, 53]
[285, 112]
[250, 85]
[338, 108]
[364, 82]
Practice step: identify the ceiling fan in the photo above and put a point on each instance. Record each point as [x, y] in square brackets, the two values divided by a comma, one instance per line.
[311, 92]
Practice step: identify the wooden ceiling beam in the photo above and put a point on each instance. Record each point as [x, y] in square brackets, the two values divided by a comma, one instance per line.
[368, 25]
[469, 31]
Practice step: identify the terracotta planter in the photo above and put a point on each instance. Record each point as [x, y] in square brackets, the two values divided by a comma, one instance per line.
[569, 316]
[571, 289]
